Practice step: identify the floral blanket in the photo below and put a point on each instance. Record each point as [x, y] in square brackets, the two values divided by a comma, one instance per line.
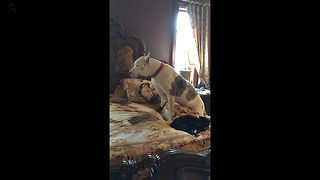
[137, 129]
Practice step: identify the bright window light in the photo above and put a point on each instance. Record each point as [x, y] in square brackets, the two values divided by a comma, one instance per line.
[186, 54]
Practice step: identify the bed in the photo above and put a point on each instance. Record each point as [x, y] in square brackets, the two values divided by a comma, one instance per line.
[142, 144]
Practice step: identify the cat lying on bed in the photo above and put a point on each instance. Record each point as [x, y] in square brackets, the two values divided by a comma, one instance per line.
[191, 124]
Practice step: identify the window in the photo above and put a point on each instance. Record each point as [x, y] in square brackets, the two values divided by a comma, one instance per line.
[186, 55]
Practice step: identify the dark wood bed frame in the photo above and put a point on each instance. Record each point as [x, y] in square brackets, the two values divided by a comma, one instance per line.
[174, 164]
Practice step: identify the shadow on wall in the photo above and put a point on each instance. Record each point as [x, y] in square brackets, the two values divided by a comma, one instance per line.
[153, 21]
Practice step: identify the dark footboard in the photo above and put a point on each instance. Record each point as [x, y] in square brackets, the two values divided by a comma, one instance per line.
[173, 164]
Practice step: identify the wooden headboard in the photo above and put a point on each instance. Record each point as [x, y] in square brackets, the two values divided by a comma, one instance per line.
[125, 48]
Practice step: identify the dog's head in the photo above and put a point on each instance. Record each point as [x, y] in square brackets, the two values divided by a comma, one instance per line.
[140, 67]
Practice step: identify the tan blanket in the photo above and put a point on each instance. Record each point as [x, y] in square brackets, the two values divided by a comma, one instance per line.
[136, 129]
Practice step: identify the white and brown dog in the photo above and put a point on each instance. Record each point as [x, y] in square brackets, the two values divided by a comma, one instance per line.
[170, 85]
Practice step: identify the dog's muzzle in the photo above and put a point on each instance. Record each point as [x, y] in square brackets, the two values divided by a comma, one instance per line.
[132, 76]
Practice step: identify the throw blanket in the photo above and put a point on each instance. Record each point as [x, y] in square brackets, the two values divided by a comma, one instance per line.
[136, 129]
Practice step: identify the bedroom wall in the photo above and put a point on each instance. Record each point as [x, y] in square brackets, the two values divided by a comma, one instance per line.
[151, 20]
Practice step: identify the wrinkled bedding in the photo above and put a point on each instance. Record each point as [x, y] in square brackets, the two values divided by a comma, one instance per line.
[137, 129]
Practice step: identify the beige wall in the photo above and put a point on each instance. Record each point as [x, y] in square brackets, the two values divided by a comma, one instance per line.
[151, 20]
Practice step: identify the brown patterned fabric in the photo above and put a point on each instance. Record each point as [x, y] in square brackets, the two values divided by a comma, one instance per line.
[136, 129]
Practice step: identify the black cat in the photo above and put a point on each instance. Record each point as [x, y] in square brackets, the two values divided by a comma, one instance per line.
[191, 124]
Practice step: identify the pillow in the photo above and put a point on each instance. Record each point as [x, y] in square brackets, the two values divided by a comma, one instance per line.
[140, 91]
[120, 91]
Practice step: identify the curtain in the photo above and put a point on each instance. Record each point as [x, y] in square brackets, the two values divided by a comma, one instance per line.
[199, 14]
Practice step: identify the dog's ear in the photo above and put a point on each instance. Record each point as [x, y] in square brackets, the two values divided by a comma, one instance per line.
[146, 59]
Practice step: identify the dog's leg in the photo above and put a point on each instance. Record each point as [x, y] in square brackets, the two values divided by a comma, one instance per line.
[162, 102]
[171, 100]
[164, 98]
[162, 94]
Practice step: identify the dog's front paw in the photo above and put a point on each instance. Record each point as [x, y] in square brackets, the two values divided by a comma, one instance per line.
[167, 115]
